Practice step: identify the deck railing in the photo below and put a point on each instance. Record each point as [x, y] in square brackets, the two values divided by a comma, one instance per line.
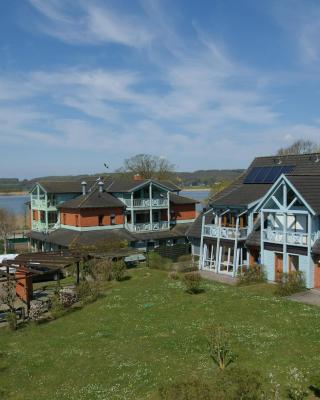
[146, 203]
[223, 232]
[145, 227]
[292, 238]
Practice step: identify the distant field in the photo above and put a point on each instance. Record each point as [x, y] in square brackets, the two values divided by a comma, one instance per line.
[147, 331]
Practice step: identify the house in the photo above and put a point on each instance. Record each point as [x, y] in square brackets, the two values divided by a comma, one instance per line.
[269, 215]
[141, 212]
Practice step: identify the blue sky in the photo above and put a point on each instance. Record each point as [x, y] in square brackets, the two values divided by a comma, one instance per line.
[206, 84]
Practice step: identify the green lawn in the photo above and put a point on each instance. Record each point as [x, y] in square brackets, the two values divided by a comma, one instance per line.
[147, 331]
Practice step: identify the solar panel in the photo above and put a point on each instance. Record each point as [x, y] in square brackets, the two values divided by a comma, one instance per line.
[267, 174]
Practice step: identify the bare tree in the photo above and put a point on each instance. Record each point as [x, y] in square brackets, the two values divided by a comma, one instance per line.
[148, 166]
[299, 147]
[7, 226]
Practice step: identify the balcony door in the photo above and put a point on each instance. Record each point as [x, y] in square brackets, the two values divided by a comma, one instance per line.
[278, 266]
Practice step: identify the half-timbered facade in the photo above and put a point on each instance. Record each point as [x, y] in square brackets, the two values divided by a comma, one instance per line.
[270, 215]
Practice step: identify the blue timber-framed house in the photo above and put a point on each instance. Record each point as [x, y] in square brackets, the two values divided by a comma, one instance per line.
[269, 215]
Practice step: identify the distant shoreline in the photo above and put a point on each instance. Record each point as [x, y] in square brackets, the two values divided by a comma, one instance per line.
[13, 194]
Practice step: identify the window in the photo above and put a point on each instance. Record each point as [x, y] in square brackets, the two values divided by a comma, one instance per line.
[100, 220]
[112, 219]
[293, 263]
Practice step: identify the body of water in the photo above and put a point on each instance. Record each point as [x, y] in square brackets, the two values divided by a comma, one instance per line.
[16, 204]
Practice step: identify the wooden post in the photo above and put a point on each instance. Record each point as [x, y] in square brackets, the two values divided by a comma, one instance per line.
[78, 272]
[218, 246]
[201, 243]
[285, 227]
[262, 238]
[235, 251]
[150, 199]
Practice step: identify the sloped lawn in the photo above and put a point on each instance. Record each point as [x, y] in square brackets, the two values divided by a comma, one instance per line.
[147, 331]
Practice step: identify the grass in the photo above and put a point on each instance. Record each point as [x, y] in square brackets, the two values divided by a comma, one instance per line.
[147, 331]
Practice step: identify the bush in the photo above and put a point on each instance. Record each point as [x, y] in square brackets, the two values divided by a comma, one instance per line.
[173, 275]
[185, 258]
[192, 389]
[233, 384]
[192, 280]
[100, 269]
[56, 308]
[11, 318]
[254, 274]
[88, 292]
[118, 270]
[37, 308]
[155, 261]
[290, 283]
[219, 347]
[67, 297]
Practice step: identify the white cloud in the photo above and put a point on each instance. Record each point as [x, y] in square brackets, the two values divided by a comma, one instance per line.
[84, 22]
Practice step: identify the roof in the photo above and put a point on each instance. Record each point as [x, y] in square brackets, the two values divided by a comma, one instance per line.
[243, 194]
[67, 237]
[69, 186]
[309, 188]
[128, 185]
[177, 199]
[194, 231]
[94, 199]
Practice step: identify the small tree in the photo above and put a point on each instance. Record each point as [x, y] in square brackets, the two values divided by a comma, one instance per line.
[148, 166]
[301, 146]
[7, 226]
[7, 297]
[219, 347]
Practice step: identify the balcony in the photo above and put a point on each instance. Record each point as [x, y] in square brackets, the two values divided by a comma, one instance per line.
[146, 227]
[146, 203]
[292, 238]
[223, 232]
[41, 226]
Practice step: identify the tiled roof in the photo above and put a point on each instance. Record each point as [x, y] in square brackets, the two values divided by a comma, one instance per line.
[175, 199]
[94, 199]
[70, 186]
[67, 237]
[127, 185]
[309, 188]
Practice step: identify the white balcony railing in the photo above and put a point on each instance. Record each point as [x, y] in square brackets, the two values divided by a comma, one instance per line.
[155, 226]
[225, 232]
[146, 203]
[292, 238]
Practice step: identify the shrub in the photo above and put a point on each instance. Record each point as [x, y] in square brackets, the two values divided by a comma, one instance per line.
[192, 389]
[100, 269]
[67, 297]
[219, 347]
[290, 283]
[88, 292]
[254, 274]
[192, 280]
[173, 275]
[37, 308]
[185, 258]
[56, 308]
[118, 270]
[155, 261]
[11, 318]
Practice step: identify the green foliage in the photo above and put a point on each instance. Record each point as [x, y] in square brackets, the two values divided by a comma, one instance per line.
[185, 264]
[190, 389]
[185, 258]
[11, 318]
[219, 346]
[155, 261]
[192, 280]
[118, 270]
[56, 308]
[290, 283]
[296, 387]
[100, 269]
[88, 292]
[233, 384]
[254, 274]
[173, 275]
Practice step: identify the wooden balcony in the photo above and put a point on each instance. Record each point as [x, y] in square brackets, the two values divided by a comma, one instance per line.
[290, 238]
[223, 232]
[146, 203]
[146, 227]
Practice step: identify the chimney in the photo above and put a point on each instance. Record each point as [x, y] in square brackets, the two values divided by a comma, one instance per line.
[137, 177]
[84, 187]
[101, 185]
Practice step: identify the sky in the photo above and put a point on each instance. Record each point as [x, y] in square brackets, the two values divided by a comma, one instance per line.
[206, 84]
